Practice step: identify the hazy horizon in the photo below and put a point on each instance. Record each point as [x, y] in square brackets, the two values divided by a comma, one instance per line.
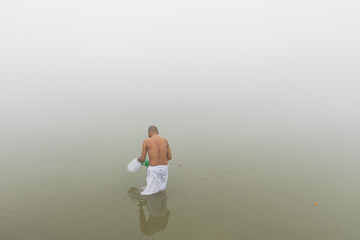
[88, 54]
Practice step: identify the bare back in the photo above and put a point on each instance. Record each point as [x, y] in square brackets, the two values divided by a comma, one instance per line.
[158, 149]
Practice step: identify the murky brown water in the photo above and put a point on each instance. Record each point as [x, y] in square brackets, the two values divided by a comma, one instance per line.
[239, 178]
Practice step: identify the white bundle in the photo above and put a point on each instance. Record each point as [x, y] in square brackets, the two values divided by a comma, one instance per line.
[134, 166]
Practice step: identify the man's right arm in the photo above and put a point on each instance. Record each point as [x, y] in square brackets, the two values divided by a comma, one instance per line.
[169, 156]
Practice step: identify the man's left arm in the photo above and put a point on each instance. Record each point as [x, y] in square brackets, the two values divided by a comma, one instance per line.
[143, 152]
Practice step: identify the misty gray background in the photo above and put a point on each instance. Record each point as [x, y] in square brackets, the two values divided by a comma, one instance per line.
[280, 58]
[258, 99]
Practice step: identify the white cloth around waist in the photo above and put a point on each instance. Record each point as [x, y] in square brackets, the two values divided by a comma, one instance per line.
[156, 179]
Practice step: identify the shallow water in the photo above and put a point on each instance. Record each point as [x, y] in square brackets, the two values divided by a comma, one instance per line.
[237, 179]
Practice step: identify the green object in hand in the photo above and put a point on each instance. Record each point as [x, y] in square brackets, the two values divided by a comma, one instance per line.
[146, 162]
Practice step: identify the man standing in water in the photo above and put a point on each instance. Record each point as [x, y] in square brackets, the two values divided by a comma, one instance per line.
[159, 154]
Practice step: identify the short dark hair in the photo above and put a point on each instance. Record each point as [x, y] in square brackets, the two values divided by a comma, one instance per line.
[153, 128]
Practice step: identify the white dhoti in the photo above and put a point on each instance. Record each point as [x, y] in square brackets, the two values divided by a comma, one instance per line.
[156, 179]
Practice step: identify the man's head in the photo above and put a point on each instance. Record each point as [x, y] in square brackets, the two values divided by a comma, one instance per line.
[153, 130]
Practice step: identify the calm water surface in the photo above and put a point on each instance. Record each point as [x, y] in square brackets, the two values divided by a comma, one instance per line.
[231, 177]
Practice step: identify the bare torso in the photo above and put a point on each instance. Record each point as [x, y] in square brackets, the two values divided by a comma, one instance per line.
[158, 150]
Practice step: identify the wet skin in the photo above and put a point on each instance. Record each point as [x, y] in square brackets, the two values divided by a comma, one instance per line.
[157, 148]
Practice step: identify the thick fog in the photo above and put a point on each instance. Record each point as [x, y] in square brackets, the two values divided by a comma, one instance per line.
[239, 59]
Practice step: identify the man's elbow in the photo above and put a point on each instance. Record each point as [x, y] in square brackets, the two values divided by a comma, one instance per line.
[169, 158]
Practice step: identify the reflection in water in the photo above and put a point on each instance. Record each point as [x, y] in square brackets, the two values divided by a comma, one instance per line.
[158, 212]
